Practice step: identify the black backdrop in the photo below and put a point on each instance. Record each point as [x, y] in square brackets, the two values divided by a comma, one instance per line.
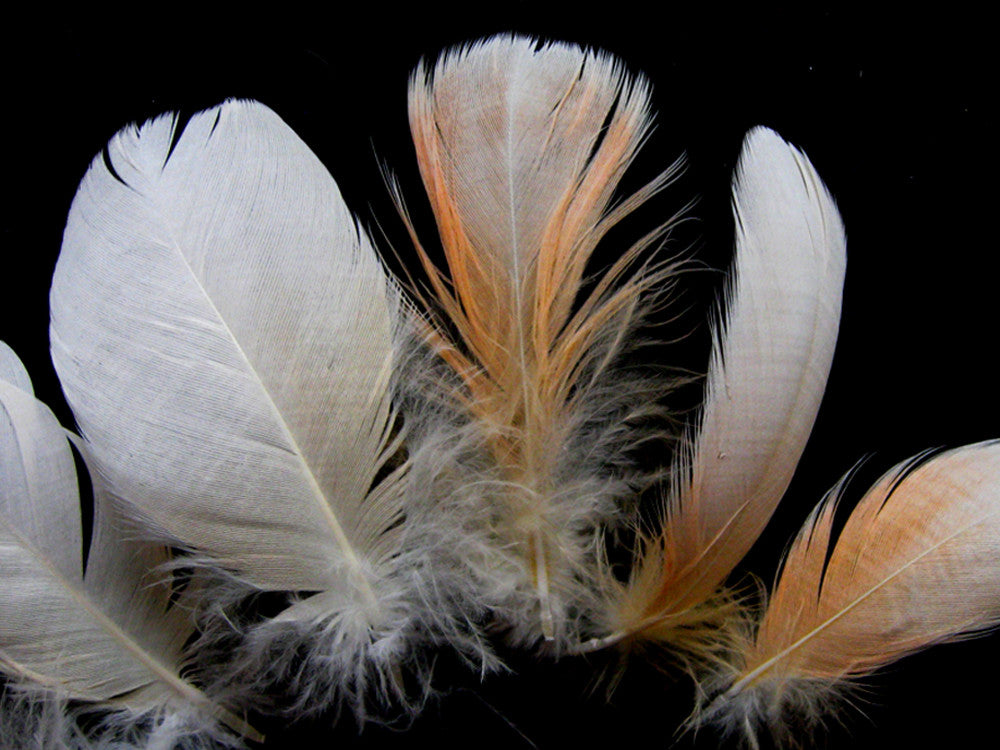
[893, 113]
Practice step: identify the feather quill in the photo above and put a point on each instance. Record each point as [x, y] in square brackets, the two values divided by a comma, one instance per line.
[914, 565]
[768, 370]
[521, 146]
[223, 331]
[111, 637]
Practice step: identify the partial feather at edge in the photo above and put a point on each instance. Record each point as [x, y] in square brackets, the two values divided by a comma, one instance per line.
[772, 354]
[915, 565]
[111, 639]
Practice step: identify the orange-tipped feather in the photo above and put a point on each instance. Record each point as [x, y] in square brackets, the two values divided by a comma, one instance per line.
[521, 148]
[914, 565]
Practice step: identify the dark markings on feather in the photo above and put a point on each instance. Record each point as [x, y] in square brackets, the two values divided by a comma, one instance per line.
[813, 193]
[808, 183]
[741, 228]
[181, 120]
[907, 469]
[86, 504]
[393, 462]
[179, 578]
[215, 123]
[602, 132]
[852, 489]
[844, 509]
[109, 165]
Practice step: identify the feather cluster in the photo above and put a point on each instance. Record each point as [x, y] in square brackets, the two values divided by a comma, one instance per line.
[308, 475]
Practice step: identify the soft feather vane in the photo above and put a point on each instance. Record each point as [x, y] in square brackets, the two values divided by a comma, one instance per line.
[207, 267]
[912, 567]
[253, 390]
[772, 353]
[253, 330]
[521, 149]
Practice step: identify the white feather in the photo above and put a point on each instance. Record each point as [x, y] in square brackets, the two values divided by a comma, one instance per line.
[223, 332]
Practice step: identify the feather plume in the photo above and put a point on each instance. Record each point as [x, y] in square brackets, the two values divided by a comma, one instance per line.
[766, 378]
[223, 331]
[521, 146]
[914, 565]
[111, 638]
[264, 413]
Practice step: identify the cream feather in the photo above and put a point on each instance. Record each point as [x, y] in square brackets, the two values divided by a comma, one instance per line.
[521, 146]
[766, 378]
[914, 565]
[112, 638]
[223, 331]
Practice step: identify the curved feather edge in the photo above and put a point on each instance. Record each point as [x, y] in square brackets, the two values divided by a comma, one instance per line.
[773, 347]
[914, 566]
[109, 645]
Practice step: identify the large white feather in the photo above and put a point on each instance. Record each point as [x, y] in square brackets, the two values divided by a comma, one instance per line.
[222, 330]
[111, 637]
[768, 372]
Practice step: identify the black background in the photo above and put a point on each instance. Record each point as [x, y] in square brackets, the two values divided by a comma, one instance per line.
[891, 110]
